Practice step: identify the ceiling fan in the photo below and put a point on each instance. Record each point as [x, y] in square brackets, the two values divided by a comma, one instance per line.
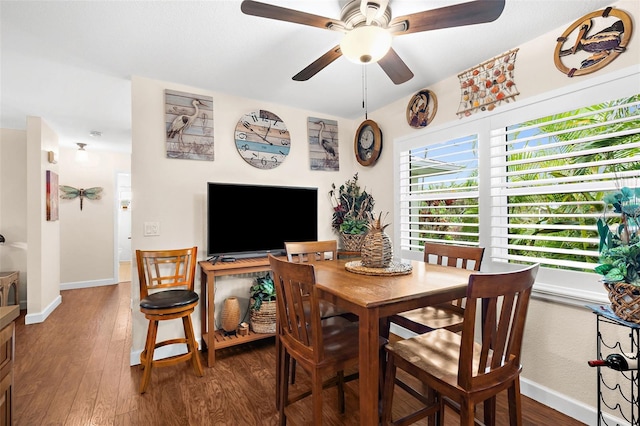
[368, 26]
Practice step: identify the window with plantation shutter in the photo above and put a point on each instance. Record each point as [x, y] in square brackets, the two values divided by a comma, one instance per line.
[548, 179]
[439, 193]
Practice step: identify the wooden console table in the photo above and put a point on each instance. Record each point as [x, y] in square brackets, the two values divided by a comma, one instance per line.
[213, 339]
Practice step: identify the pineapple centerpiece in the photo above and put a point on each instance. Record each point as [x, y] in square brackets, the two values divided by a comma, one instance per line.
[377, 251]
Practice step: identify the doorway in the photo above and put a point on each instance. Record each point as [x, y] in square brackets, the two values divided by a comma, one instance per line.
[124, 256]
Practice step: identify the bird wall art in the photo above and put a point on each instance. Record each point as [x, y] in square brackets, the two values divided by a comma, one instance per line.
[189, 126]
[69, 193]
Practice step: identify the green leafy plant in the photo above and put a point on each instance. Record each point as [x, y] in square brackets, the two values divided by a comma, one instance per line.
[619, 242]
[263, 290]
[354, 226]
[351, 207]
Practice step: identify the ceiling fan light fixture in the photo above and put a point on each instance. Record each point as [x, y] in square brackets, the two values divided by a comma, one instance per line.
[366, 44]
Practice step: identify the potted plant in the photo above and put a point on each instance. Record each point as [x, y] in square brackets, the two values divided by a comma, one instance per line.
[352, 206]
[263, 305]
[620, 253]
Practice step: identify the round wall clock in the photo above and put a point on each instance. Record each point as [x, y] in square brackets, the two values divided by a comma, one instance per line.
[368, 143]
[592, 42]
[421, 109]
[262, 139]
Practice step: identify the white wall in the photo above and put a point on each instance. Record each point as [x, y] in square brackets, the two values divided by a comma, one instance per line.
[43, 237]
[88, 241]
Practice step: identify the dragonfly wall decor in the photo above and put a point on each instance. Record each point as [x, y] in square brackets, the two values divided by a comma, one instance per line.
[69, 193]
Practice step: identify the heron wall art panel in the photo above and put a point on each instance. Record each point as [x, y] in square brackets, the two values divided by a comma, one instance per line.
[323, 144]
[188, 125]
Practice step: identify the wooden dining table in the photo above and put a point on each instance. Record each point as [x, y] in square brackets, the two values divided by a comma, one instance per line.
[375, 297]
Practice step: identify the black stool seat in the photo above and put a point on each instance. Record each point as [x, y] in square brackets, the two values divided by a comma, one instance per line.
[169, 299]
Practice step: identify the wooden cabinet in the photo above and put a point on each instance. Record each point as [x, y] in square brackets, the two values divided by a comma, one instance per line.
[9, 279]
[8, 315]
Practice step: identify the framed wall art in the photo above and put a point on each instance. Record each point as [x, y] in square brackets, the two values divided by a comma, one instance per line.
[188, 126]
[323, 144]
[52, 195]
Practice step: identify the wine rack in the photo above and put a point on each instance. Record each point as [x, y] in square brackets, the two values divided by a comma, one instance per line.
[618, 391]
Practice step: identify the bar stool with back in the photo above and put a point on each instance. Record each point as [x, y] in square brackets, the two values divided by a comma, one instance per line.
[166, 293]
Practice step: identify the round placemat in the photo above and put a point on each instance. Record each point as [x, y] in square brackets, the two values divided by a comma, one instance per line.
[394, 268]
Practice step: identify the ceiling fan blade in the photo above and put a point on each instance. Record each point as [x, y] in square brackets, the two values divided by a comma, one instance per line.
[474, 12]
[395, 67]
[270, 11]
[319, 64]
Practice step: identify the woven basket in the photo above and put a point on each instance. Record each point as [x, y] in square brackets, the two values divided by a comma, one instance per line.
[377, 251]
[625, 300]
[264, 319]
[352, 242]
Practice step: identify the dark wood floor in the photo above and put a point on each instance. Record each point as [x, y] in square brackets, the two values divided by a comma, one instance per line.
[73, 369]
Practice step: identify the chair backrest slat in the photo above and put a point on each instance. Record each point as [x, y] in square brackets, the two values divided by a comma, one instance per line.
[311, 251]
[505, 298]
[295, 287]
[456, 256]
[163, 269]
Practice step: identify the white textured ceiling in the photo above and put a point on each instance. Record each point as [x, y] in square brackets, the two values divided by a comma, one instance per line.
[71, 62]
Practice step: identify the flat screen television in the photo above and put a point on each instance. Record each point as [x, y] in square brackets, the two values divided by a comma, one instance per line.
[252, 220]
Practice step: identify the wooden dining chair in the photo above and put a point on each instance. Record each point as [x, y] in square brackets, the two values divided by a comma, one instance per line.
[167, 293]
[447, 315]
[320, 346]
[474, 366]
[313, 252]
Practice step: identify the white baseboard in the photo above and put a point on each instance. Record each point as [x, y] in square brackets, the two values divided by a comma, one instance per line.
[87, 284]
[39, 317]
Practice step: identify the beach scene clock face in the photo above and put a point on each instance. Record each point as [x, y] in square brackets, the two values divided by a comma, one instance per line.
[262, 139]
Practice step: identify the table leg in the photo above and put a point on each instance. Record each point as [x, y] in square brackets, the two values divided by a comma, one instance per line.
[369, 367]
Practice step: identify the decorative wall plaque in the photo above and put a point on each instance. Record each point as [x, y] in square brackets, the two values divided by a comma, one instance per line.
[592, 42]
[487, 85]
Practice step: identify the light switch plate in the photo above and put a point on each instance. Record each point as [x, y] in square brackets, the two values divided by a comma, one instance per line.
[151, 229]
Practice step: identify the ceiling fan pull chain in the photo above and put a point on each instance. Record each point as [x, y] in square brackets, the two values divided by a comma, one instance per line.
[364, 90]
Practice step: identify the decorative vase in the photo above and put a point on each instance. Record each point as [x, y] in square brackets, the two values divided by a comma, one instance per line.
[377, 251]
[352, 242]
[230, 314]
[625, 300]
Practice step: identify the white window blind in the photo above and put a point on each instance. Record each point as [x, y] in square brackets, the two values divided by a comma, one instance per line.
[438, 189]
[548, 178]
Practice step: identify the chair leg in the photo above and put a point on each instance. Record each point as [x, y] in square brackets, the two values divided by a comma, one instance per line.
[283, 385]
[387, 394]
[340, 376]
[293, 371]
[192, 345]
[467, 413]
[146, 357]
[490, 411]
[316, 396]
[515, 404]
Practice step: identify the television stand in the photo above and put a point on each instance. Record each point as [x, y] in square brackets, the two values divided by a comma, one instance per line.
[213, 339]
